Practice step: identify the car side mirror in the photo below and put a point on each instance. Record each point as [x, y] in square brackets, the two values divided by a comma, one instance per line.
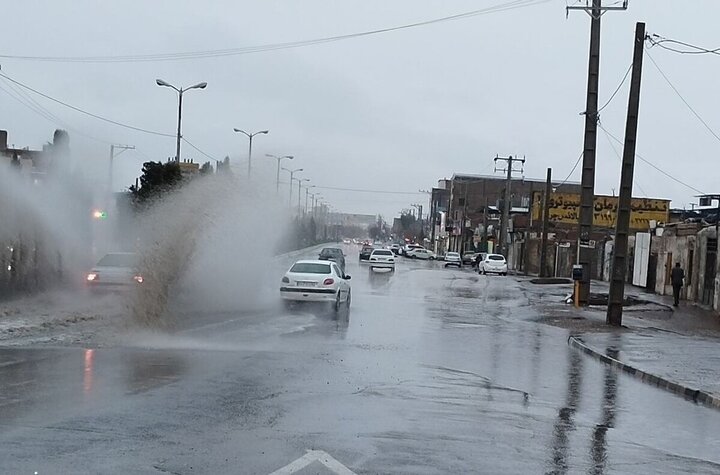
[347, 277]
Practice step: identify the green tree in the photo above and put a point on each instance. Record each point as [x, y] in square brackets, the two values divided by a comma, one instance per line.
[157, 179]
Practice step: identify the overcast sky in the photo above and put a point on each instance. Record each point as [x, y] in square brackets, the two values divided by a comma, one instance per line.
[394, 111]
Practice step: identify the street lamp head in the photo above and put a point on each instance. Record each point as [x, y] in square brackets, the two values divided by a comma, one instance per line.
[289, 157]
[264, 132]
[238, 130]
[200, 85]
[160, 82]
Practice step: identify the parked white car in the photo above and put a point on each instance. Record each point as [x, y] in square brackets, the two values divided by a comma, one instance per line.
[421, 253]
[382, 259]
[453, 259]
[316, 281]
[407, 248]
[493, 263]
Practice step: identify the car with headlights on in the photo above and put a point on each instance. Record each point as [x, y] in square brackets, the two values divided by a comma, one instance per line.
[382, 259]
[493, 264]
[116, 271]
[316, 281]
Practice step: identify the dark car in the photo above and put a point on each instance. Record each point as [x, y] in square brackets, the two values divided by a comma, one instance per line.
[333, 254]
[365, 252]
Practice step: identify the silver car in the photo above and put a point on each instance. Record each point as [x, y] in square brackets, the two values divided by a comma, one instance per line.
[116, 271]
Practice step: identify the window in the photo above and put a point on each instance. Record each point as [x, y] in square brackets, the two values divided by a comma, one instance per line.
[383, 253]
[668, 267]
[310, 268]
[496, 257]
[337, 271]
[118, 260]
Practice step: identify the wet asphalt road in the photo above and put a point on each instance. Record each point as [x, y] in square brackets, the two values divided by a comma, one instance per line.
[433, 370]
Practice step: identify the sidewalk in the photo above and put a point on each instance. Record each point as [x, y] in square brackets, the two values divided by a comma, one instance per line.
[677, 349]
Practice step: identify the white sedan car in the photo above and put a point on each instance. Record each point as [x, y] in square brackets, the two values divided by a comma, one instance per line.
[453, 259]
[316, 281]
[382, 259]
[116, 271]
[421, 253]
[493, 263]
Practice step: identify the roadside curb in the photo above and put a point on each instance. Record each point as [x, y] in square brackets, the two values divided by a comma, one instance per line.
[695, 395]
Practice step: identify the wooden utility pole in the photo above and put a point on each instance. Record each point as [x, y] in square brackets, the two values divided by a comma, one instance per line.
[622, 226]
[504, 224]
[587, 193]
[545, 223]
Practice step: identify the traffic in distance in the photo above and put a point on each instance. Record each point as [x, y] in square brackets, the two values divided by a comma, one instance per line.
[323, 281]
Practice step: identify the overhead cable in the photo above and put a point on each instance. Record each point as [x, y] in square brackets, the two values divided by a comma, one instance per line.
[180, 56]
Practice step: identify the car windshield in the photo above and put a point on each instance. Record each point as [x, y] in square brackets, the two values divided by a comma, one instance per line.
[453, 254]
[329, 251]
[310, 268]
[495, 257]
[118, 260]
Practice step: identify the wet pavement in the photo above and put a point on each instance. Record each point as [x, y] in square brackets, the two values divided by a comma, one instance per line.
[432, 370]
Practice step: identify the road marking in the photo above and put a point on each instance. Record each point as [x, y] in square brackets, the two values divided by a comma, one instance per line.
[313, 456]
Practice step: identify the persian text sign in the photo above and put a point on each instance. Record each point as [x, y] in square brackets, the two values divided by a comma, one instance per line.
[565, 208]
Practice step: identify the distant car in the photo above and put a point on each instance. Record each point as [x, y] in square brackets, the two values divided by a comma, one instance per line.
[421, 253]
[395, 248]
[493, 263]
[333, 254]
[346, 241]
[469, 257]
[408, 248]
[382, 259]
[316, 281]
[365, 252]
[116, 271]
[453, 259]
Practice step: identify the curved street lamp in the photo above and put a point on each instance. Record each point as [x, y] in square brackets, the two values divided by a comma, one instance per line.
[292, 172]
[180, 91]
[277, 177]
[250, 136]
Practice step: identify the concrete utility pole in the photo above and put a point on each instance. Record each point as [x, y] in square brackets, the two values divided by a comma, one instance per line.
[587, 193]
[622, 227]
[545, 223]
[114, 147]
[505, 223]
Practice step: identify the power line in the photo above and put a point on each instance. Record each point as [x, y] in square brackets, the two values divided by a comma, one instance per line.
[617, 154]
[77, 109]
[179, 56]
[681, 97]
[577, 162]
[26, 100]
[357, 190]
[200, 151]
[617, 89]
[657, 40]
[655, 166]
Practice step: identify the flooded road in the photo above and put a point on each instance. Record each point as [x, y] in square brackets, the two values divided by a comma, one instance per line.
[433, 370]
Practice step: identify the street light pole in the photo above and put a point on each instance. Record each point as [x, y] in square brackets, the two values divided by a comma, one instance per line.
[307, 193]
[300, 180]
[250, 136]
[292, 172]
[180, 91]
[277, 176]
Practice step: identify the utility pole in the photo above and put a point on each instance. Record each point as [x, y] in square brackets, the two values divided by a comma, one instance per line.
[545, 223]
[587, 193]
[114, 147]
[505, 223]
[622, 226]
